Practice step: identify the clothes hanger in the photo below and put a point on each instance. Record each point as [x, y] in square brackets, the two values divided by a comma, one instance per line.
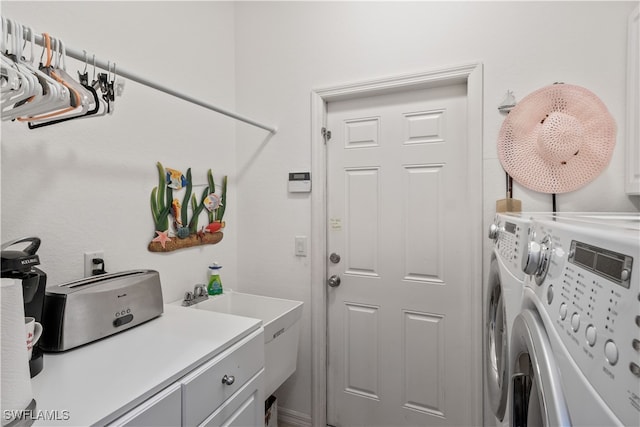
[61, 70]
[31, 89]
[75, 99]
[29, 85]
[54, 97]
[107, 87]
[9, 76]
[95, 84]
[91, 112]
[111, 92]
[9, 66]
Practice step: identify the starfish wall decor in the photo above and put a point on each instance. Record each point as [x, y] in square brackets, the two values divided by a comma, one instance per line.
[174, 227]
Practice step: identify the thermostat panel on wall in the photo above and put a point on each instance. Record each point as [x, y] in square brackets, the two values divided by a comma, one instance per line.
[299, 182]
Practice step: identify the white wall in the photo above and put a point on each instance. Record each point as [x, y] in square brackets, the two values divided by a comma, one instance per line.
[85, 184]
[286, 49]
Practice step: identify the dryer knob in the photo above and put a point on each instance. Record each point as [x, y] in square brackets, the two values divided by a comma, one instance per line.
[535, 261]
[532, 258]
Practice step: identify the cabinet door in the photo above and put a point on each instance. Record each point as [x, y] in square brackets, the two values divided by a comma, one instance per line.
[245, 408]
[163, 409]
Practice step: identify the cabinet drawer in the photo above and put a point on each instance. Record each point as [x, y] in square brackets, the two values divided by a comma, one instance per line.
[203, 390]
[245, 408]
[163, 409]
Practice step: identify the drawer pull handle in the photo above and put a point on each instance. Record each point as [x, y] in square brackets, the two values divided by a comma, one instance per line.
[228, 379]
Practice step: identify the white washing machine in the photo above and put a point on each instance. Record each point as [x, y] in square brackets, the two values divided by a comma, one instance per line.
[575, 346]
[503, 299]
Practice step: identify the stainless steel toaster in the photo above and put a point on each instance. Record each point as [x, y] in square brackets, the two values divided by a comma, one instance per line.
[82, 311]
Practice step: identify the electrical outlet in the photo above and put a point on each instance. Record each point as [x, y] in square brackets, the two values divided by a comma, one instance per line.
[89, 266]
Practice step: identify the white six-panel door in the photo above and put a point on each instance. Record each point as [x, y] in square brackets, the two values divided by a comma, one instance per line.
[399, 322]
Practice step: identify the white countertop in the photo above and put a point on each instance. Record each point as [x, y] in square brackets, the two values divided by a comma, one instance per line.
[100, 381]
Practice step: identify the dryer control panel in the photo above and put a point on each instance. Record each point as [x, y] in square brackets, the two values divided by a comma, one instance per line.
[592, 294]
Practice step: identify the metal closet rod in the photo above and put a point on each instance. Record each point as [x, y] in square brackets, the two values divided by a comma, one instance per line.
[82, 56]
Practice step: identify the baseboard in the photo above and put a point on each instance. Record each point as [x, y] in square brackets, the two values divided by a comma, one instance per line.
[293, 418]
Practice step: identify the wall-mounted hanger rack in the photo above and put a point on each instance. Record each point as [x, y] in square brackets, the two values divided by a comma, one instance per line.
[109, 66]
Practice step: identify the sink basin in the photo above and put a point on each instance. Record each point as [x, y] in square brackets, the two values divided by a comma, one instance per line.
[280, 320]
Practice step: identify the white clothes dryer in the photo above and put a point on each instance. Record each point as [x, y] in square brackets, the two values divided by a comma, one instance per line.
[576, 344]
[503, 299]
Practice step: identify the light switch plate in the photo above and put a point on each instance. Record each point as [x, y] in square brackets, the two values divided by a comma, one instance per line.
[301, 245]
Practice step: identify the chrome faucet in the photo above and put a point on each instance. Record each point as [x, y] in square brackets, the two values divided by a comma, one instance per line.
[199, 294]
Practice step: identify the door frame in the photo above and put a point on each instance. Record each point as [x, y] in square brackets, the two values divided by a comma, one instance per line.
[472, 75]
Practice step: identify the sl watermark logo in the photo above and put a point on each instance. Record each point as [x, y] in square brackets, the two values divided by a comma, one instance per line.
[36, 415]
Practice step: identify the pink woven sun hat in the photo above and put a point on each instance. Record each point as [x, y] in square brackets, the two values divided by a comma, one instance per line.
[557, 139]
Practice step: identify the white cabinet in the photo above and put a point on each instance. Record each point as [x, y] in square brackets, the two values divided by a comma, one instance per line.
[246, 408]
[207, 387]
[224, 390]
[163, 409]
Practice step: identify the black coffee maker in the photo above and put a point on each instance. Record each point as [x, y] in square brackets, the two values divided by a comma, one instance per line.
[20, 264]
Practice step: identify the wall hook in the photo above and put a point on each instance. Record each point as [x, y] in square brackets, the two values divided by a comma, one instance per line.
[507, 103]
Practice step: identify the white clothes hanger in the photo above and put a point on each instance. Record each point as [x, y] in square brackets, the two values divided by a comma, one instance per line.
[63, 103]
[55, 95]
[77, 99]
[10, 79]
[52, 95]
[19, 85]
[29, 85]
[85, 96]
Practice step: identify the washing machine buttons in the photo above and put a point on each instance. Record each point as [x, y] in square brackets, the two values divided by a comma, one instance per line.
[636, 344]
[635, 369]
[624, 274]
[591, 335]
[563, 311]
[550, 294]
[611, 352]
[575, 322]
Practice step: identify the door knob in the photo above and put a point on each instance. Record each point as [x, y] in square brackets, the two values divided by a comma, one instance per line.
[334, 281]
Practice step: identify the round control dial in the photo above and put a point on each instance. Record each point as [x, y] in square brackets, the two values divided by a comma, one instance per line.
[535, 261]
[494, 231]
